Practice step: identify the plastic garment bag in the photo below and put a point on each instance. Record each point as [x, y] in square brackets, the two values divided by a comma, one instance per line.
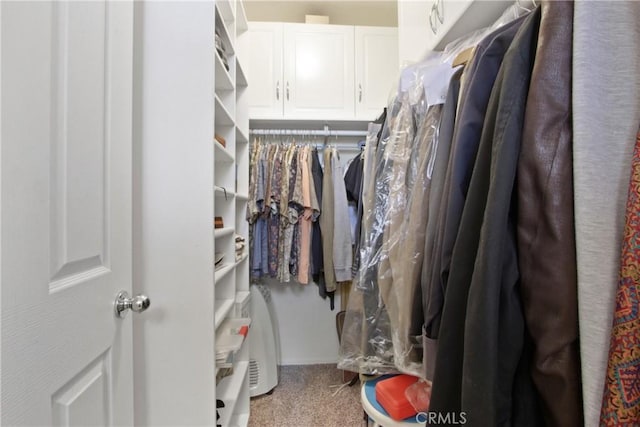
[366, 344]
[376, 338]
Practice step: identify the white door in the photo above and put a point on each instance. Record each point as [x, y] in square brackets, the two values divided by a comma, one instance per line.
[377, 69]
[318, 71]
[66, 212]
[266, 91]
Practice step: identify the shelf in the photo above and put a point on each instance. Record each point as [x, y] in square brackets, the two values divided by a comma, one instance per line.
[222, 232]
[222, 272]
[230, 120]
[242, 303]
[223, 78]
[241, 136]
[242, 25]
[242, 258]
[239, 420]
[222, 154]
[222, 308]
[241, 296]
[223, 116]
[241, 79]
[229, 390]
[229, 337]
[220, 193]
[225, 9]
[224, 32]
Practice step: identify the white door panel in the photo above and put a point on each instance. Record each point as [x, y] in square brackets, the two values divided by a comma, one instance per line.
[377, 69]
[266, 91]
[66, 212]
[318, 71]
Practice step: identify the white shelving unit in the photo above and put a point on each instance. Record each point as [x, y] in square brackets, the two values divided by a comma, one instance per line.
[230, 194]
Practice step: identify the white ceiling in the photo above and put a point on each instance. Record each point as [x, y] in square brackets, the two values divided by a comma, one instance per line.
[353, 12]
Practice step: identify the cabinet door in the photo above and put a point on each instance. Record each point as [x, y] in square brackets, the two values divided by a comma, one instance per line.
[318, 71]
[266, 90]
[376, 69]
[414, 31]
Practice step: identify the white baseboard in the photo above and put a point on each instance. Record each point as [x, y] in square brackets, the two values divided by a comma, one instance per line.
[285, 362]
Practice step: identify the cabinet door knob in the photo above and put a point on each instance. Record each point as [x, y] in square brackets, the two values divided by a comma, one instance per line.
[360, 93]
[287, 91]
[278, 90]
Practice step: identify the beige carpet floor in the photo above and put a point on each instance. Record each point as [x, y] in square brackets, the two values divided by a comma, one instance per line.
[303, 398]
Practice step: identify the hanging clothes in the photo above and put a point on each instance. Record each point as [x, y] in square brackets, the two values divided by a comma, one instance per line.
[476, 346]
[360, 349]
[317, 262]
[480, 75]
[342, 250]
[620, 403]
[517, 229]
[284, 212]
[396, 177]
[305, 219]
[482, 310]
[546, 234]
[327, 223]
[420, 303]
[255, 215]
[602, 146]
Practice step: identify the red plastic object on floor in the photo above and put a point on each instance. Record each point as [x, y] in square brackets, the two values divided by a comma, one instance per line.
[390, 394]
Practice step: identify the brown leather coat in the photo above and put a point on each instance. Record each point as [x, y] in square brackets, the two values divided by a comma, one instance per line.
[546, 234]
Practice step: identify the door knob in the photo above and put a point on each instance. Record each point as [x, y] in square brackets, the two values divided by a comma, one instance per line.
[138, 304]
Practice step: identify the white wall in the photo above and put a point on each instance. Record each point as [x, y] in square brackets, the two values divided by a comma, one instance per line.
[381, 13]
[305, 322]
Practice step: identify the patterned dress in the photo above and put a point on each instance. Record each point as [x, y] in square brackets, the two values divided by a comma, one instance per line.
[621, 399]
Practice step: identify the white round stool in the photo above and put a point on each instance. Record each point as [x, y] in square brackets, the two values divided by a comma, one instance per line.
[376, 413]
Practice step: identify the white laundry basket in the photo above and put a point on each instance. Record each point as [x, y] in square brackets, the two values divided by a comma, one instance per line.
[264, 349]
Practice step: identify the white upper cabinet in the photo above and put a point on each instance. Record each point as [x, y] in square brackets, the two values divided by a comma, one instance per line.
[376, 67]
[266, 91]
[320, 72]
[452, 19]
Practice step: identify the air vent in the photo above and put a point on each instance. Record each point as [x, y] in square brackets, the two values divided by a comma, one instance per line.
[254, 373]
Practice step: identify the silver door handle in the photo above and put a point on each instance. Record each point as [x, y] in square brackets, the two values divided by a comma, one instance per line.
[432, 21]
[360, 93]
[137, 304]
[287, 91]
[278, 90]
[440, 15]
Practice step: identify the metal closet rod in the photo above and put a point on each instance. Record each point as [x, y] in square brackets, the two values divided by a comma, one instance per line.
[310, 132]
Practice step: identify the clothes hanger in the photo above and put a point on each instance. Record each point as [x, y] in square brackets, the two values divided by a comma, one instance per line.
[521, 6]
[463, 57]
